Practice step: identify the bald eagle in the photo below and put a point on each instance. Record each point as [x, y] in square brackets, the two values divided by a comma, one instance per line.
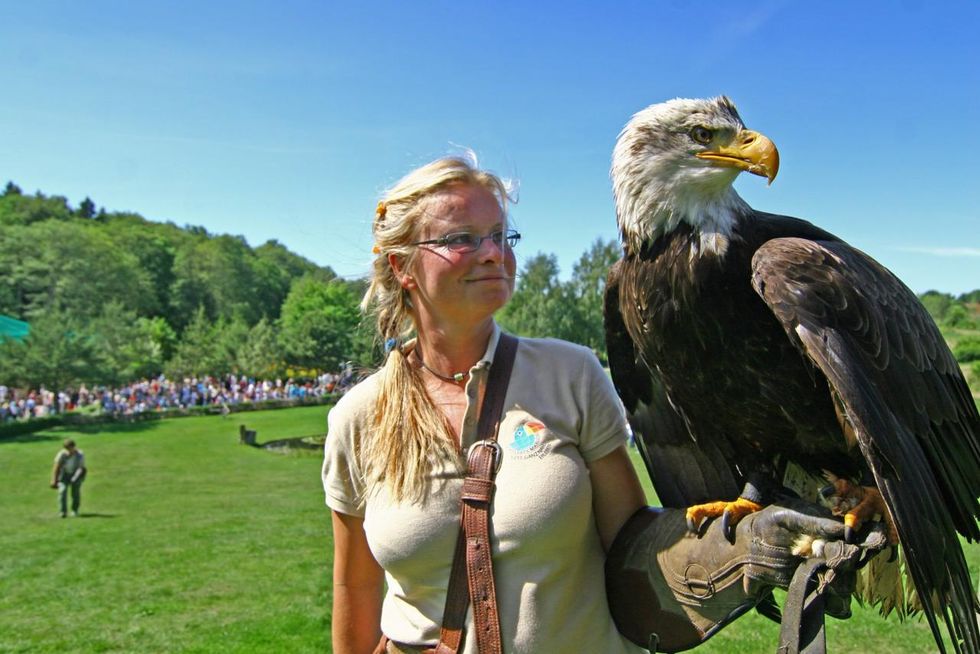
[757, 353]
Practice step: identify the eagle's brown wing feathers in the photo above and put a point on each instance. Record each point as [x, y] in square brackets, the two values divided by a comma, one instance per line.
[684, 472]
[902, 394]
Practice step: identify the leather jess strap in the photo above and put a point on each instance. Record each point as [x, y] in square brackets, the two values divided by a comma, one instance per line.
[472, 562]
[802, 630]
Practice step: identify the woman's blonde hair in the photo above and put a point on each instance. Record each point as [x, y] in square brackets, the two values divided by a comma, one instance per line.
[410, 435]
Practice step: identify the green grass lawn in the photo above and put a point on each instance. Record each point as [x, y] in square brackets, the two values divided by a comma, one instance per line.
[189, 542]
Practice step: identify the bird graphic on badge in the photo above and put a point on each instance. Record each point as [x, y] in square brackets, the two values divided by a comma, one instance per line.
[526, 435]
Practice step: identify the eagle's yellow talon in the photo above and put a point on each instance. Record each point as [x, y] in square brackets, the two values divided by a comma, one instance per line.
[731, 512]
[864, 502]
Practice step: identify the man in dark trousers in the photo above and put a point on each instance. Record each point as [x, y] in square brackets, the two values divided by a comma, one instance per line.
[68, 473]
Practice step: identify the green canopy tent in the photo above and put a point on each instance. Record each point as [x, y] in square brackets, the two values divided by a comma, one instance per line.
[13, 329]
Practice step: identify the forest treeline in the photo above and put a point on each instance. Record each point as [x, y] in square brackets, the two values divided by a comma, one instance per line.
[112, 297]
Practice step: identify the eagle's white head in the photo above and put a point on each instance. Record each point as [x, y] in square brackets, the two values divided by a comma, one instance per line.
[675, 162]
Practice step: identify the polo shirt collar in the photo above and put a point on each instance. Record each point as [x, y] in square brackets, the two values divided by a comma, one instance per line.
[487, 357]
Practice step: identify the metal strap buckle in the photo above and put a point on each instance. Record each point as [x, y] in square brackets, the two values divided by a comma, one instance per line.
[498, 454]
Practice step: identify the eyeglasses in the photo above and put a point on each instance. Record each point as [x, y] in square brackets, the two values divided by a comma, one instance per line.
[464, 242]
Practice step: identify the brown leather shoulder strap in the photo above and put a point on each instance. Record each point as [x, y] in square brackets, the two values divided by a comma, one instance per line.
[472, 561]
[497, 381]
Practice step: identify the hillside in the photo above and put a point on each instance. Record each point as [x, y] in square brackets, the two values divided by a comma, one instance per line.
[111, 297]
[56, 257]
[959, 321]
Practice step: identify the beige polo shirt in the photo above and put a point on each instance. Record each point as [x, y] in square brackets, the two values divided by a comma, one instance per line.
[560, 412]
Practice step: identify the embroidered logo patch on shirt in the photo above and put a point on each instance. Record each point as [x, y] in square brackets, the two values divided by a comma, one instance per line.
[527, 436]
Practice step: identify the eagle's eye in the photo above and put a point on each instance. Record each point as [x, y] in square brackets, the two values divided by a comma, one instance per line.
[701, 134]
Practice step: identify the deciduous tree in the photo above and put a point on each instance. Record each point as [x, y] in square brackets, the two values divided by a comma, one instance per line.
[588, 286]
[56, 354]
[542, 305]
[318, 323]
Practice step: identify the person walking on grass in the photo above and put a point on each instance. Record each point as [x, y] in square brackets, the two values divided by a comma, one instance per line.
[68, 474]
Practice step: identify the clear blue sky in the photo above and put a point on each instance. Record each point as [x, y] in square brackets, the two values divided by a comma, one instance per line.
[286, 120]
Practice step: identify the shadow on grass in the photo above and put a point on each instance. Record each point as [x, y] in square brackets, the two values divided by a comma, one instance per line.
[303, 443]
[111, 427]
[36, 437]
[96, 515]
[56, 433]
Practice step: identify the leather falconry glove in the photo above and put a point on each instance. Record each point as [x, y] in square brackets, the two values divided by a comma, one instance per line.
[670, 590]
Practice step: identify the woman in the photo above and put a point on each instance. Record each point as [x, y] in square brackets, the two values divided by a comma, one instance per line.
[444, 264]
[393, 467]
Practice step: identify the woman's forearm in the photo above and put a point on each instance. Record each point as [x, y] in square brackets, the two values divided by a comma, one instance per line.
[356, 619]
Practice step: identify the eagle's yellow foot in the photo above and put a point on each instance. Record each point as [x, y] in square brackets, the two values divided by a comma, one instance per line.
[731, 513]
[858, 504]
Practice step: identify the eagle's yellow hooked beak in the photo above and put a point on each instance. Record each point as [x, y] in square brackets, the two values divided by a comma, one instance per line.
[750, 151]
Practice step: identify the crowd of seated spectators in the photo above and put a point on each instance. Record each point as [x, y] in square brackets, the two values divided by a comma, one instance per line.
[162, 394]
